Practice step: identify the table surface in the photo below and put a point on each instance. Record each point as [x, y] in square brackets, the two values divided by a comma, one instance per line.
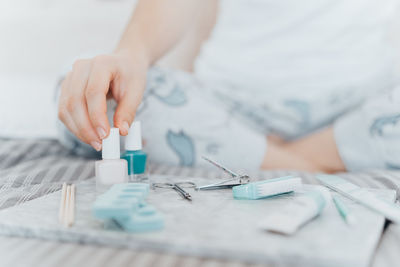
[25, 176]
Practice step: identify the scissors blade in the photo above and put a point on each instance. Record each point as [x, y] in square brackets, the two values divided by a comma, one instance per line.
[219, 166]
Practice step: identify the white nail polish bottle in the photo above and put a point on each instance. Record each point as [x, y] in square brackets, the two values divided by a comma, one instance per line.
[111, 170]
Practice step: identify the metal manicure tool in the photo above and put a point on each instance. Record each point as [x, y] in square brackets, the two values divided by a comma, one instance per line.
[241, 179]
[178, 187]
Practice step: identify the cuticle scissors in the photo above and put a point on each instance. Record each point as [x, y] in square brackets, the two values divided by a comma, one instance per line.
[178, 187]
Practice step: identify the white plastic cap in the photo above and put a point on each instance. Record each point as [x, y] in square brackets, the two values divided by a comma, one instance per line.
[133, 140]
[111, 148]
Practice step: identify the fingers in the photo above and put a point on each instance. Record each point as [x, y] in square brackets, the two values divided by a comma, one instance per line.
[96, 93]
[83, 107]
[63, 113]
[77, 130]
[85, 131]
[72, 108]
[128, 102]
[68, 122]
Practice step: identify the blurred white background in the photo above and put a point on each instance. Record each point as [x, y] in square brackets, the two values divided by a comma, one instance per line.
[40, 39]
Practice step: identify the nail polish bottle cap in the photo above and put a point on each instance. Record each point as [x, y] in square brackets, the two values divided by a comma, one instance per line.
[111, 148]
[134, 138]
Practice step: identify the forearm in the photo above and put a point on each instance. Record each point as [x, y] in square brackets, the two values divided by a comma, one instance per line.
[157, 25]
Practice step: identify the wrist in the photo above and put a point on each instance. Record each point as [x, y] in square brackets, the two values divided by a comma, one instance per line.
[136, 53]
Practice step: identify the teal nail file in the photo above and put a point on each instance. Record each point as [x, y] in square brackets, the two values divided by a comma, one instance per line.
[390, 210]
[267, 188]
[125, 204]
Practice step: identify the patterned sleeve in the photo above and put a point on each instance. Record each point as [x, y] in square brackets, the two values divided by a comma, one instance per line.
[369, 137]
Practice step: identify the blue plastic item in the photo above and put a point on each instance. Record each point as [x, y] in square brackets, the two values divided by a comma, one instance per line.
[115, 206]
[267, 188]
[120, 200]
[145, 219]
[132, 187]
[125, 204]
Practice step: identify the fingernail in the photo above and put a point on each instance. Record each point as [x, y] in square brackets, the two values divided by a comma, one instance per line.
[125, 127]
[96, 145]
[101, 132]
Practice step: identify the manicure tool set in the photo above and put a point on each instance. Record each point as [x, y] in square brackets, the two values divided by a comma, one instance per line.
[124, 204]
[179, 187]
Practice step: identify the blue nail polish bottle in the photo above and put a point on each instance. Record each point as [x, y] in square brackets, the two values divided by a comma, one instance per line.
[134, 155]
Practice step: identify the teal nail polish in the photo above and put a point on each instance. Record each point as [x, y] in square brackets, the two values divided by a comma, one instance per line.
[136, 161]
[134, 155]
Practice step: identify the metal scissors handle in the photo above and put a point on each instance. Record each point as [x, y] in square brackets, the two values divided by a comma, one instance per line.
[178, 187]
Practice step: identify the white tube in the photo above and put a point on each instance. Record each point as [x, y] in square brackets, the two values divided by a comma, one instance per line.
[288, 219]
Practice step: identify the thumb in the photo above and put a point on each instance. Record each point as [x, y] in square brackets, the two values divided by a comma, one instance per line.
[128, 102]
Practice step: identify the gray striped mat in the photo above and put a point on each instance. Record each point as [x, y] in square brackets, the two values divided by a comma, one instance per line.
[32, 168]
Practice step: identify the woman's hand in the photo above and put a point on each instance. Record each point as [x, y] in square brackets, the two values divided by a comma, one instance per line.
[82, 104]
[149, 35]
